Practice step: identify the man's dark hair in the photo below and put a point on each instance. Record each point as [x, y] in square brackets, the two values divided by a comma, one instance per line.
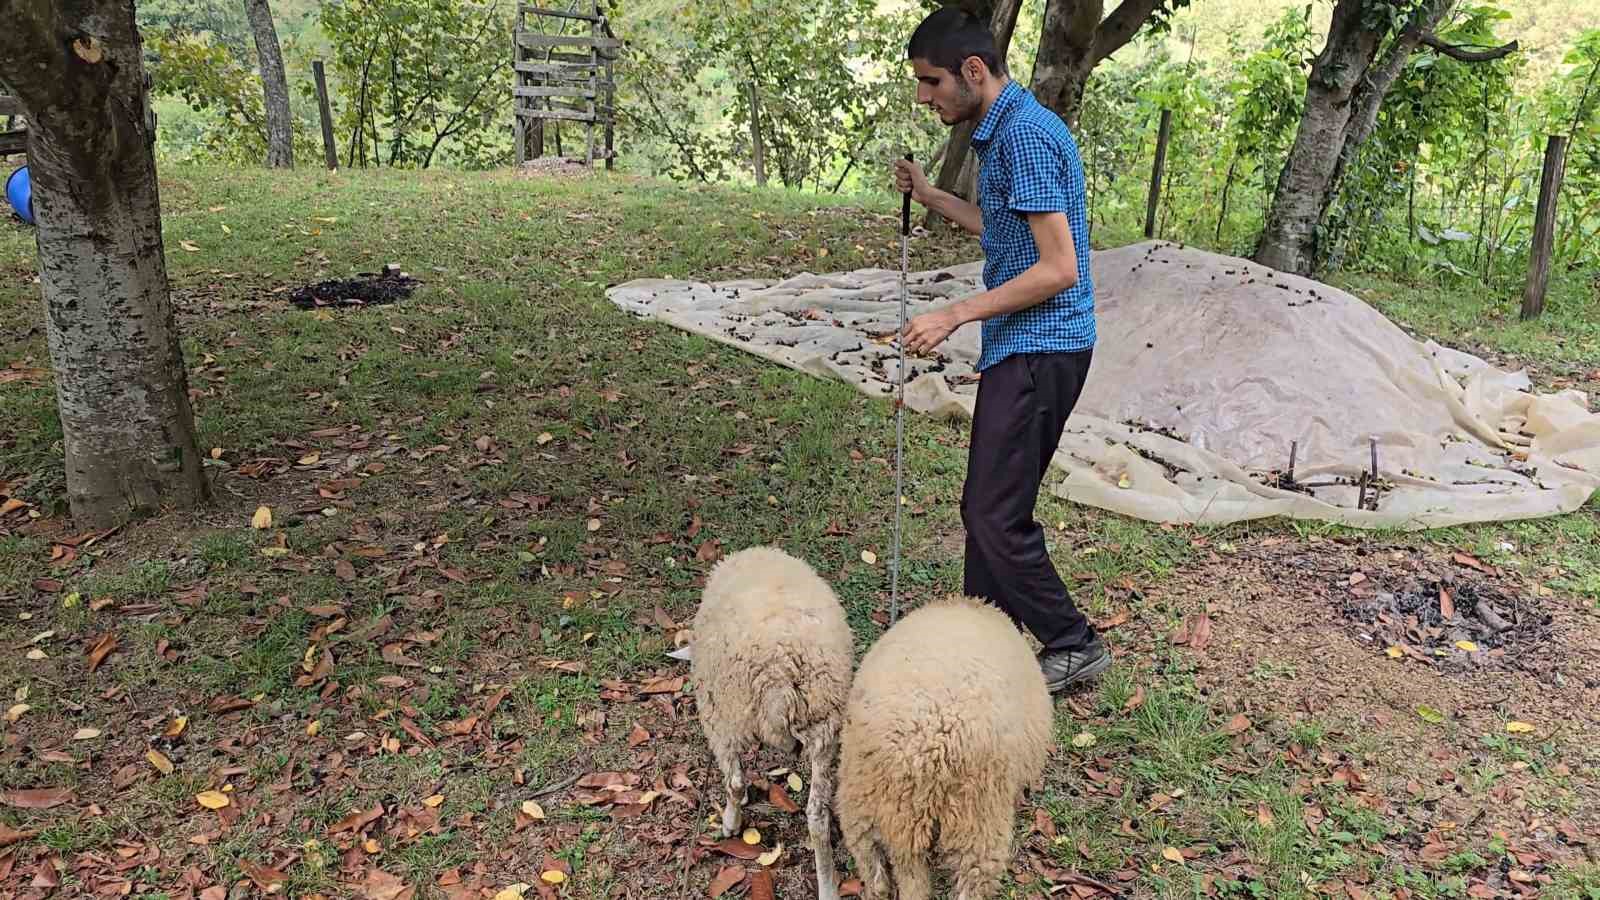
[948, 36]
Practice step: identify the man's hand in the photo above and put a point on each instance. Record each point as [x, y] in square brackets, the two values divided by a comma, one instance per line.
[929, 330]
[908, 176]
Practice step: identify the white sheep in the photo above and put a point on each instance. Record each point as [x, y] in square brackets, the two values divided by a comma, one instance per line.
[771, 661]
[948, 721]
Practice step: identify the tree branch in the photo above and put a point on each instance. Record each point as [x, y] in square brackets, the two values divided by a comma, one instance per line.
[1119, 28]
[1465, 55]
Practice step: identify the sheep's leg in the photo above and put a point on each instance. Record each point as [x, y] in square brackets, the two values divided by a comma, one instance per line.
[822, 746]
[871, 864]
[913, 880]
[980, 851]
[727, 755]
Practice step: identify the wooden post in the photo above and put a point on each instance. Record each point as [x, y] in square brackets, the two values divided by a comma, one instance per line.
[611, 115]
[1156, 175]
[1544, 227]
[328, 149]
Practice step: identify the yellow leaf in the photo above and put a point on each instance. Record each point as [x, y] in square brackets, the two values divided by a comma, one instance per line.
[1084, 739]
[822, 253]
[190, 246]
[545, 437]
[36, 654]
[752, 836]
[1468, 646]
[327, 220]
[513, 892]
[262, 518]
[593, 525]
[71, 600]
[309, 459]
[795, 784]
[86, 734]
[16, 712]
[372, 846]
[1395, 652]
[212, 799]
[160, 761]
[554, 876]
[216, 452]
[1172, 855]
[433, 801]
[532, 810]
[868, 557]
[771, 856]
[1519, 728]
[1124, 482]
[226, 229]
[314, 729]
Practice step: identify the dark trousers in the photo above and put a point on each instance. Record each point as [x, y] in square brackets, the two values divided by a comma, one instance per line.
[1022, 407]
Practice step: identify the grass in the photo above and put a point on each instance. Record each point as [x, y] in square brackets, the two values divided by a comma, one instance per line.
[535, 476]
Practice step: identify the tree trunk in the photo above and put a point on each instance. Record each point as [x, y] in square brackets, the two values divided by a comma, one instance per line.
[757, 152]
[1343, 97]
[274, 84]
[1066, 54]
[1288, 241]
[121, 386]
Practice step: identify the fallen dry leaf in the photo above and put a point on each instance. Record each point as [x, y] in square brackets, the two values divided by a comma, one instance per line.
[1136, 701]
[1447, 606]
[868, 557]
[88, 49]
[9, 835]
[86, 734]
[1239, 724]
[771, 856]
[780, 800]
[160, 761]
[533, 810]
[394, 654]
[1263, 815]
[709, 552]
[37, 798]
[737, 848]
[380, 885]
[1519, 728]
[638, 737]
[357, 820]
[726, 880]
[761, 886]
[212, 799]
[265, 877]
[101, 649]
[1172, 855]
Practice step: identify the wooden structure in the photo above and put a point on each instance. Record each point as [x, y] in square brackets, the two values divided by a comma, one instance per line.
[563, 71]
[13, 140]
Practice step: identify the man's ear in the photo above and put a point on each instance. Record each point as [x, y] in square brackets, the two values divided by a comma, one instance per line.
[973, 70]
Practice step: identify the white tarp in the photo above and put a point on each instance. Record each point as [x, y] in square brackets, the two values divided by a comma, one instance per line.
[1206, 369]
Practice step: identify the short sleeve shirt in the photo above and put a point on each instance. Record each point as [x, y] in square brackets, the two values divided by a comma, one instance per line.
[1029, 162]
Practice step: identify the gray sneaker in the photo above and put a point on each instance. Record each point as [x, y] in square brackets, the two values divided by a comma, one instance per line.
[1066, 668]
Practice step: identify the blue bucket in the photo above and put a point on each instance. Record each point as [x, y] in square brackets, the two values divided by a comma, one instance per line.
[19, 192]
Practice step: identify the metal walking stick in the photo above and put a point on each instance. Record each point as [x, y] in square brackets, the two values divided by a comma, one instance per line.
[900, 409]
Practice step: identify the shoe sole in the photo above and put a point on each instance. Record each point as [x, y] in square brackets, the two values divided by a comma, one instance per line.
[1091, 671]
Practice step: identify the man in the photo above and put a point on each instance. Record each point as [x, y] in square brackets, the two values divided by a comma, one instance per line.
[1038, 324]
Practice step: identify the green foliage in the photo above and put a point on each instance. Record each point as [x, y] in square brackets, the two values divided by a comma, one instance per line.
[828, 80]
[208, 76]
[418, 76]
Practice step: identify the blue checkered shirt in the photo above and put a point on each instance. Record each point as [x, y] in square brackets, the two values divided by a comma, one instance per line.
[1030, 163]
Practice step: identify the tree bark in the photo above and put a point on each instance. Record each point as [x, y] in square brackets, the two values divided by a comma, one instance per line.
[121, 386]
[758, 153]
[274, 84]
[1346, 90]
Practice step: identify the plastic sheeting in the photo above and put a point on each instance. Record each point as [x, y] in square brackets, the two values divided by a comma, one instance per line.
[1207, 369]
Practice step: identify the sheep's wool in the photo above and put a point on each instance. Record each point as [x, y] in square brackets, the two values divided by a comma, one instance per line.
[1207, 368]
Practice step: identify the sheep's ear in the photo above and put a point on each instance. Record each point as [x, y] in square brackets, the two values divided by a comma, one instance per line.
[685, 653]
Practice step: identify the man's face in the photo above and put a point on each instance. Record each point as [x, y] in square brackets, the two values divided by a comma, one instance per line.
[946, 93]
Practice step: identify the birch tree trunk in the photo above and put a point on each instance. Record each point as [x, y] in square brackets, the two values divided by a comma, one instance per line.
[274, 84]
[121, 386]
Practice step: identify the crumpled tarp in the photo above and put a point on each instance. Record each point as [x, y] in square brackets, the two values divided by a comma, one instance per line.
[1207, 369]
